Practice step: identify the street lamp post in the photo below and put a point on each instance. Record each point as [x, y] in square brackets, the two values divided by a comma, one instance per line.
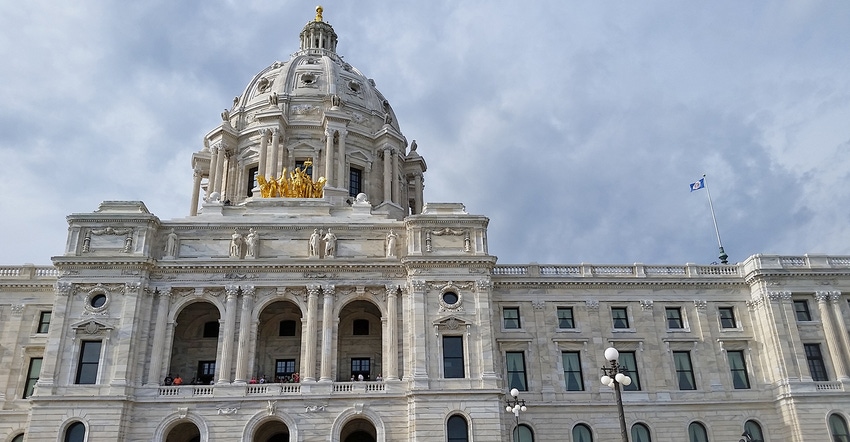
[515, 405]
[613, 375]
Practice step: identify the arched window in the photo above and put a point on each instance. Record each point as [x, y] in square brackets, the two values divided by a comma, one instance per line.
[754, 430]
[640, 433]
[18, 438]
[838, 428]
[76, 432]
[581, 433]
[457, 429]
[697, 433]
[523, 434]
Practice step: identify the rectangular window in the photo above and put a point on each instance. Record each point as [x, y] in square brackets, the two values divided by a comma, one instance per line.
[252, 180]
[453, 366]
[32, 376]
[516, 370]
[206, 372]
[620, 316]
[355, 181]
[565, 317]
[511, 317]
[89, 361]
[684, 370]
[43, 322]
[674, 318]
[738, 367]
[801, 309]
[727, 317]
[629, 363]
[300, 165]
[572, 370]
[815, 360]
[360, 367]
[284, 367]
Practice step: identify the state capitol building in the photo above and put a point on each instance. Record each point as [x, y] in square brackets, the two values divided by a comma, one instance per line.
[311, 294]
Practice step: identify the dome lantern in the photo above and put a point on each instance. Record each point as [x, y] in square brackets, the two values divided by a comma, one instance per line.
[318, 35]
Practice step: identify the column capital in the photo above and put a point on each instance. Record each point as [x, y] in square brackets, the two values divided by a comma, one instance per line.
[248, 291]
[826, 296]
[232, 291]
[392, 289]
[313, 290]
[328, 290]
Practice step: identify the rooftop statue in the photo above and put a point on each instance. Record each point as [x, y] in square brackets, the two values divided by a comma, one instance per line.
[297, 185]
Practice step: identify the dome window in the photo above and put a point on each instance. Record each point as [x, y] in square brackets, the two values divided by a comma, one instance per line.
[308, 79]
[354, 86]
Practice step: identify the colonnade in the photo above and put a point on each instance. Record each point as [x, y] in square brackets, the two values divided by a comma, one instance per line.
[835, 331]
[244, 337]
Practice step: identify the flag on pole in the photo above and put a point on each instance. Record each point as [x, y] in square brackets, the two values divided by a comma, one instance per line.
[698, 185]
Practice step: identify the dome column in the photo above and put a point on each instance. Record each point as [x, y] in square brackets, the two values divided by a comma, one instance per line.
[264, 148]
[213, 170]
[219, 168]
[396, 191]
[196, 192]
[417, 182]
[275, 148]
[340, 179]
[387, 174]
[329, 156]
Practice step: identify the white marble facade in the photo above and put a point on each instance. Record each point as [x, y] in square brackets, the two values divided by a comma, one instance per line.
[276, 306]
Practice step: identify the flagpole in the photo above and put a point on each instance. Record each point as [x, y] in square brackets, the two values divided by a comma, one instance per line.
[723, 256]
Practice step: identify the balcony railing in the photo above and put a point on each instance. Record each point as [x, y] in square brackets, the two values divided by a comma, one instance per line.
[269, 389]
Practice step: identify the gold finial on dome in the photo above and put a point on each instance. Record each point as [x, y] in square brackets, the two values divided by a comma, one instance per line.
[319, 10]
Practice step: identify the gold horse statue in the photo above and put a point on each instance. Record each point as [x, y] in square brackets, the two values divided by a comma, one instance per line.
[297, 185]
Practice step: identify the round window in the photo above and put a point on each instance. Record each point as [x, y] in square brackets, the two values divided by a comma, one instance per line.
[97, 301]
[450, 298]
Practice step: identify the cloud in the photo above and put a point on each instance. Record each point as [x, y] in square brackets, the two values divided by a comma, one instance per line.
[575, 127]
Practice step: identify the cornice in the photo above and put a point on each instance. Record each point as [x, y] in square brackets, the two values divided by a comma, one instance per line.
[592, 283]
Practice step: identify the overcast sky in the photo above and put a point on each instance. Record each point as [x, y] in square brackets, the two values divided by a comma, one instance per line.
[576, 127]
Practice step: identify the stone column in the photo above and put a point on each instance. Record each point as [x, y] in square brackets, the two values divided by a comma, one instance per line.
[215, 150]
[329, 156]
[327, 333]
[219, 168]
[387, 174]
[264, 151]
[225, 359]
[340, 167]
[418, 330]
[367, 179]
[246, 331]
[390, 339]
[396, 191]
[155, 371]
[842, 326]
[417, 180]
[308, 338]
[314, 174]
[833, 339]
[196, 192]
[274, 169]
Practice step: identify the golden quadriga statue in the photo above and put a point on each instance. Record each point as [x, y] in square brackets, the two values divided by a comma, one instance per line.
[297, 185]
